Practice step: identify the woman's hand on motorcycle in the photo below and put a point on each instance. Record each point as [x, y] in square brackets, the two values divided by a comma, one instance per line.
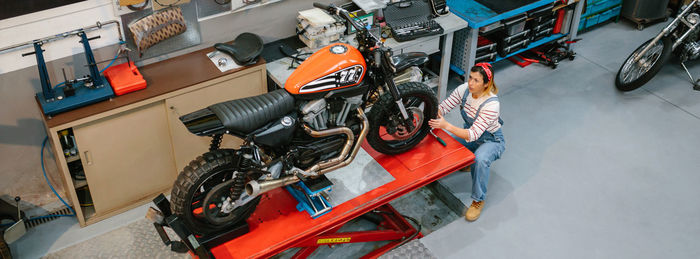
[439, 122]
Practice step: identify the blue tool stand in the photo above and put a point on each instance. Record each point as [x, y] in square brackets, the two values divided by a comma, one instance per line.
[313, 202]
[75, 93]
[479, 16]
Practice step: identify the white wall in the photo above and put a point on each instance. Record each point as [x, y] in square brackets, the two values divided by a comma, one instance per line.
[51, 22]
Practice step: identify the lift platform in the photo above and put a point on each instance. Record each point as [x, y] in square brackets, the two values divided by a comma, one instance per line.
[277, 225]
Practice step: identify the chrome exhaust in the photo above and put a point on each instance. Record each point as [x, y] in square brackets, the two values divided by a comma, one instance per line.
[363, 135]
[343, 153]
[255, 188]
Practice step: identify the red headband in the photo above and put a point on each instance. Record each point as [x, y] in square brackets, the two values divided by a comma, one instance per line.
[487, 67]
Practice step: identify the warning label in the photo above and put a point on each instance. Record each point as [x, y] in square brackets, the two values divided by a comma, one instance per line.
[333, 240]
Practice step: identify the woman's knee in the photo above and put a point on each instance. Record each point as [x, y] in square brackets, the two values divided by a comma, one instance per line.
[482, 161]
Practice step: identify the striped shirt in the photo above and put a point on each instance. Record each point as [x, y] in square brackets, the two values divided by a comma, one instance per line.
[488, 117]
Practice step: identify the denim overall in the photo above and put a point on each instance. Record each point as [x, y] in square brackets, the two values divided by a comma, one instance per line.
[486, 149]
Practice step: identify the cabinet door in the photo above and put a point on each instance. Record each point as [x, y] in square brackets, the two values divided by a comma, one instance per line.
[127, 157]
[187, 146]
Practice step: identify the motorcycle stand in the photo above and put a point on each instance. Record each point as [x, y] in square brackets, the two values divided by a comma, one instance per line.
[696, 83]
[312, 195]
[199, 245]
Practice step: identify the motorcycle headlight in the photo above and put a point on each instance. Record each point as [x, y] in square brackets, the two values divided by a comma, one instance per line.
[693, 18]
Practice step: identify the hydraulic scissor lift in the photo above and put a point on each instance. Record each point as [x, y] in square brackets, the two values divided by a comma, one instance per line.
[277, 225]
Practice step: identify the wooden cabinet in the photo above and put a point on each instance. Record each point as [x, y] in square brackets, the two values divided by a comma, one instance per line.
[126, 157]
[131, 148]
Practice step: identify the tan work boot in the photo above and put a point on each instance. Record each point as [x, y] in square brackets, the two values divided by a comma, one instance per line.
[474, 210]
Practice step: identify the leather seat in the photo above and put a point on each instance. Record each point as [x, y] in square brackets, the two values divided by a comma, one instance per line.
[403, 61]
[245, 48]
[248, 114]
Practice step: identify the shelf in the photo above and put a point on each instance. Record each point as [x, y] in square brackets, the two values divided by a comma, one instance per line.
[72, 158]
[88, 212]
[77, 184]
[532, 45]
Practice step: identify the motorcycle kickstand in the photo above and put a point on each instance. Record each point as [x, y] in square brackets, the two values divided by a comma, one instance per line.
[696, 83]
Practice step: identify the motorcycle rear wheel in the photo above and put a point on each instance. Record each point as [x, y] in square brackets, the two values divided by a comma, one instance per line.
[194, 183]
[386, 135]
[633, 75]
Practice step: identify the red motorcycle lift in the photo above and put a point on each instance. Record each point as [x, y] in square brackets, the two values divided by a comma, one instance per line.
[277, 225]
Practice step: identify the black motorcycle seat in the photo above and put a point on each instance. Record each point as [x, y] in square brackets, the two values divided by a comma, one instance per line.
[403, 61]
[245, 48]
[248, 114]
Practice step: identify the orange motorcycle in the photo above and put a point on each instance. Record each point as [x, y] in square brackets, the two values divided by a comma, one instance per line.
[335, 99]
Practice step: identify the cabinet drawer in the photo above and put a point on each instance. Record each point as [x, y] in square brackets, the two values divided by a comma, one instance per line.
[187, 146]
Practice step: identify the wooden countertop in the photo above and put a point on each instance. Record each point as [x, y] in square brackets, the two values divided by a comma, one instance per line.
[162, 77]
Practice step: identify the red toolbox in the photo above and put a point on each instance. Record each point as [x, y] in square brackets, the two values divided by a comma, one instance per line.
[125, 78]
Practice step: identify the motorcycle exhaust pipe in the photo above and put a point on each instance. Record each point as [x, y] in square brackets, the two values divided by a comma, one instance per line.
[255, 188]
[343, 153]
[363, 135]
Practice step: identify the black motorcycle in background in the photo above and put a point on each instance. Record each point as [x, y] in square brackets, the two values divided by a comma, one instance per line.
[680, 38]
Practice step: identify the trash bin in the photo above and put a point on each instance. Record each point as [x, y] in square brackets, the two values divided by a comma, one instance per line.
[643, 12]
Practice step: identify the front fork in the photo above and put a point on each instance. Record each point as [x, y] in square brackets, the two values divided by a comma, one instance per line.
[383, 61]
[407, 119]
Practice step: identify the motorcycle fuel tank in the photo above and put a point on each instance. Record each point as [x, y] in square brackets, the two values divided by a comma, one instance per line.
[333, 67]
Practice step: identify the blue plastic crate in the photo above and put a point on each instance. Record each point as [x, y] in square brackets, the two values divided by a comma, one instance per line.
[582, 24]
[592, 21]
[609, 14]
[611, 3]
[596, 7]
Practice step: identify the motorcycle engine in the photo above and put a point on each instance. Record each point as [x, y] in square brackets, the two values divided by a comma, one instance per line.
[691, 50]
[321, 114]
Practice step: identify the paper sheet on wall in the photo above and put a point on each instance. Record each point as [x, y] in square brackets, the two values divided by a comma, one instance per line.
[222, 61]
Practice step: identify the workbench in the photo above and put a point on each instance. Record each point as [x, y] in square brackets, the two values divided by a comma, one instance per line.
[276, 225]
[478, 16]
[279, 70]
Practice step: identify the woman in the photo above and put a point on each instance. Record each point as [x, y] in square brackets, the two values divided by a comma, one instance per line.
[482, 133]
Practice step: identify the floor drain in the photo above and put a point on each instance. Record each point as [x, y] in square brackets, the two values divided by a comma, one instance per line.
[47, 218]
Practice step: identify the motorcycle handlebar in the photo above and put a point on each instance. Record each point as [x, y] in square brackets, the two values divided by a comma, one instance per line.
[339, 11]
[323, 6]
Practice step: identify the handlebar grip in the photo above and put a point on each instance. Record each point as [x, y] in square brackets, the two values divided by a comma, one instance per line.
[322, 6]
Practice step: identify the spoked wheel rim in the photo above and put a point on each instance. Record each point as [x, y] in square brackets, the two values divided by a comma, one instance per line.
[393, 133]
[632, 71]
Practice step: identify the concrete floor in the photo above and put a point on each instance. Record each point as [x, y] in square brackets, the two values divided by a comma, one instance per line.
[588, 171]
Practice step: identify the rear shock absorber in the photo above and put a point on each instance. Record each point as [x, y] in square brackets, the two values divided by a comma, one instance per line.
[216, 142]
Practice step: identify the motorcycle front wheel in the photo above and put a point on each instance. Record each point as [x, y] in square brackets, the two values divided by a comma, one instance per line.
[209, 179]
[633, 75]
[387, 134]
